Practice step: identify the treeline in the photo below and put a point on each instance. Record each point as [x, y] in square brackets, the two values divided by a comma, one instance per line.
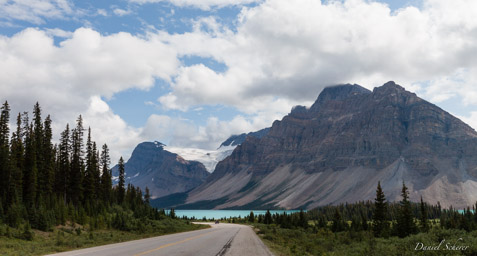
[44, 184]
[380, 218]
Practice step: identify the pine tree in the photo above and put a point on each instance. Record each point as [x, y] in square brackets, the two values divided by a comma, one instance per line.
[106, 184]
[424, 222]
[380, 224]
[89, 178]
[121, 182]
[302, 220]
[405, 224]
[37, 137]
[251, 217]
[268, 218]
[338, 224]
[48, 156]
[147, 196]
[63, 165]
[77, 165]
[30, 171]
[96, 171]
[4, 150]
[17, 158]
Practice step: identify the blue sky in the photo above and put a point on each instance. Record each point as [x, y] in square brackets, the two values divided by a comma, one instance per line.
[192, 72]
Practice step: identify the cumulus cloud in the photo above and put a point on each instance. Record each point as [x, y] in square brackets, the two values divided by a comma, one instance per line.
[202, 4]
[281, 53]
[292, 49]
[185, 133]
[68, 79]
[107, 127]
[35, 11]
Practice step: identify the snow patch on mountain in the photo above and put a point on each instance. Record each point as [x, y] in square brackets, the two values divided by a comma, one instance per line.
[209, 158]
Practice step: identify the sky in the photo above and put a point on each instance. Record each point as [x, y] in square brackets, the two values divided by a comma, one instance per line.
[189, 73]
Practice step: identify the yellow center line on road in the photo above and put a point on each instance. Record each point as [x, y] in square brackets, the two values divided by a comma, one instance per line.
[171, 244]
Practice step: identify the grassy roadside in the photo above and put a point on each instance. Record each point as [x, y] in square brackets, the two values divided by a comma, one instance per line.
[71, 237]
[284, 242]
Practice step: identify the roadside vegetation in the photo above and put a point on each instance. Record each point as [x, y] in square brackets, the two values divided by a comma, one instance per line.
[60, 197]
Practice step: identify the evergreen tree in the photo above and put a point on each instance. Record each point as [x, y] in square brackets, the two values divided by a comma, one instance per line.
[338, 224]
[121, 182]
[147, 196]
[4, 149]
[63, 165]
[48, 158]
[44, 184]
[405, 224]
[30, 171]
[356, 223]
[77, 165]
[96, 172]
[268, 218]
[106, 183]
[37, 137]
[302, 220]
[17, 159]
[424, 222]
[251, 217]
[380, 223]
[91, 165]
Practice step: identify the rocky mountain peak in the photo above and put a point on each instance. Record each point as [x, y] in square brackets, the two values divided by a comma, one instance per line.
[163, 172]
[338, 92]
[340, 148]
[389, 88]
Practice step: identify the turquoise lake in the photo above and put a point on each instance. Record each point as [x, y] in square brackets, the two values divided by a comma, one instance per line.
[218, 214]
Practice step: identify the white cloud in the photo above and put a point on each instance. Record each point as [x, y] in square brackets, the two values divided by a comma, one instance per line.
[35, 11]
[102, 12]
[68, 79]
[290, 50]
[121, 12]
[459, 86]
[184, 133]
[202, 4]
[107, 127]
[281, 53]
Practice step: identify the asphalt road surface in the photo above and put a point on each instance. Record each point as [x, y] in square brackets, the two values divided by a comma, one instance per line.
[222, 239]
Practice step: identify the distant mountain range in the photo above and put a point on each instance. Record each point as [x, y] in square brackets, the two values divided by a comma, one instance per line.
[337, 150]
[161, 171]
[166, 170]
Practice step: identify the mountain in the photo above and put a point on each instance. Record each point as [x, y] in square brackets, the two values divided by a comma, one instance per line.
[337, 150]
[236, 140]
[209, 158]
[161, 171]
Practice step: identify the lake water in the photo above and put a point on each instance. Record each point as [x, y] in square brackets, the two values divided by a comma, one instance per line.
[217, 214]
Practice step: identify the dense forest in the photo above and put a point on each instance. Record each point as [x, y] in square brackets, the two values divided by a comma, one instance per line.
[43, 185]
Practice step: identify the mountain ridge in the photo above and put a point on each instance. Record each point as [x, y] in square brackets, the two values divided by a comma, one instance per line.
[338, 149]
[163, 172]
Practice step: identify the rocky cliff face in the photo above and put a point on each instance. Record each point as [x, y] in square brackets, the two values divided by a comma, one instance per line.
[236, 140]
[161, 171]
[338, 149]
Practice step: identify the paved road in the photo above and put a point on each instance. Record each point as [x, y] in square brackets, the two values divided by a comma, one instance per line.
[222, 239]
